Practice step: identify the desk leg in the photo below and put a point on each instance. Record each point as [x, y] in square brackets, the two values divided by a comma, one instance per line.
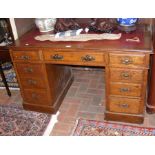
[4, 80]
[150, 107]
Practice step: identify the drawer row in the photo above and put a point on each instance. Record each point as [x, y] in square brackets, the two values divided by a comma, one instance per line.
[83, 58]
[126, 75]
[121, 89]
[31, 77]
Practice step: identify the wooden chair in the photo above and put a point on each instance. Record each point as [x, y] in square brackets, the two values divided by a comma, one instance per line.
[4, 57]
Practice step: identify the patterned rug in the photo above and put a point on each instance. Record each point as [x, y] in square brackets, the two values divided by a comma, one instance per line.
[14, 121]
[98, 128]
[10, 76]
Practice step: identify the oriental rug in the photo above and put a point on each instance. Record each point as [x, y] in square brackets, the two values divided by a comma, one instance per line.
[14, 121]
[99, 128]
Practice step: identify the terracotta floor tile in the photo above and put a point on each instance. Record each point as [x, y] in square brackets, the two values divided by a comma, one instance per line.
[95, 109]
[63, 127]
[99, 117]
[86, 115]
[60, 133]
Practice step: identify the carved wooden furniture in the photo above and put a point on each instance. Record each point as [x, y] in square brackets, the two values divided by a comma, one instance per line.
[44, 76]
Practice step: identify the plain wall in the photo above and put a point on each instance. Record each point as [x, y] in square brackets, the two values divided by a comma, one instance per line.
[23, 25]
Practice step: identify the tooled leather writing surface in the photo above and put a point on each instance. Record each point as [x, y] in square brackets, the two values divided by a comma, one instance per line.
[121, 44]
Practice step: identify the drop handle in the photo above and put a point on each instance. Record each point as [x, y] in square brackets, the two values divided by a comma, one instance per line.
[87, 58]
[126, 61]
[28, 70]
[25, 57]
[32, 82]
[57, 57]
[125, 75]
[34, 96]
[124, 89]
[124, 105]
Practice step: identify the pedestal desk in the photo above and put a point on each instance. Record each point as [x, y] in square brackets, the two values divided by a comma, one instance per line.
[44, 76]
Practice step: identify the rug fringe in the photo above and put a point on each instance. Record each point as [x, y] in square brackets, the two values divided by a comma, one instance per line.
[75, 125]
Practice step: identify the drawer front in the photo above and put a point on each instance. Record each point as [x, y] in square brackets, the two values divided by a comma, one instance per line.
[38, 97]
[124, 89]
[127, 60]
[83, 58]
[33, 83]
[26, 55]
[30, 70]
[125, 105]
[126, 75]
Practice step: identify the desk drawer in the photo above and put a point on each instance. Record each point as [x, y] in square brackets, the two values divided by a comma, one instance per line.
[39, 97]
[81, 58]
[33, 83]
[125, 105]
[126, 75]
[127, 60]
[124, 89]
[26, 55]
[30, 70]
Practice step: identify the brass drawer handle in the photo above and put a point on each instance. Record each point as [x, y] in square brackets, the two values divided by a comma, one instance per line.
[34, 96]
[87, 58]
[124, 89]
[28, 70]
[32, 82]
[57, 57]
[125, 75]
[25, 57]
[126, 61]
[124, 105]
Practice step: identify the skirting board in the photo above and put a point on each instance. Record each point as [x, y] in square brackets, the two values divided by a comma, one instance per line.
[51, 124]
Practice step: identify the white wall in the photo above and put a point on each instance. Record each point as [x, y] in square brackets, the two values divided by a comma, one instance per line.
[13, 26]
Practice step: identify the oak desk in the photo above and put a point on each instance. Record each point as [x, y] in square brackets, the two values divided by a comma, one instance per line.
[44, 76]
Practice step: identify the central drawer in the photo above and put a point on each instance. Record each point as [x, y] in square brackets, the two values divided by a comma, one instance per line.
[79, 58]
[125, 89]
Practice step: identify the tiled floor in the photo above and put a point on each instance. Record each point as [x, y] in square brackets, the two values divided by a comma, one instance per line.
[85, 98]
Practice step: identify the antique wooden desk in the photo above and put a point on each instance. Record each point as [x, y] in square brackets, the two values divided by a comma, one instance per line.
[44, 76]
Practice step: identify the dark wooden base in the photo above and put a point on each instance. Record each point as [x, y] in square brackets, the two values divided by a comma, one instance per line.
[50, 109]
[124, 118]
[150, 110]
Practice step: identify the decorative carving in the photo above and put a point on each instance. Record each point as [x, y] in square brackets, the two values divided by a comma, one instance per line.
[102, 25]
[64, 24]
[94, 24]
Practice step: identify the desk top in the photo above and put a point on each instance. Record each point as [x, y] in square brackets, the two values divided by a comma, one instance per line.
[145, 44]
